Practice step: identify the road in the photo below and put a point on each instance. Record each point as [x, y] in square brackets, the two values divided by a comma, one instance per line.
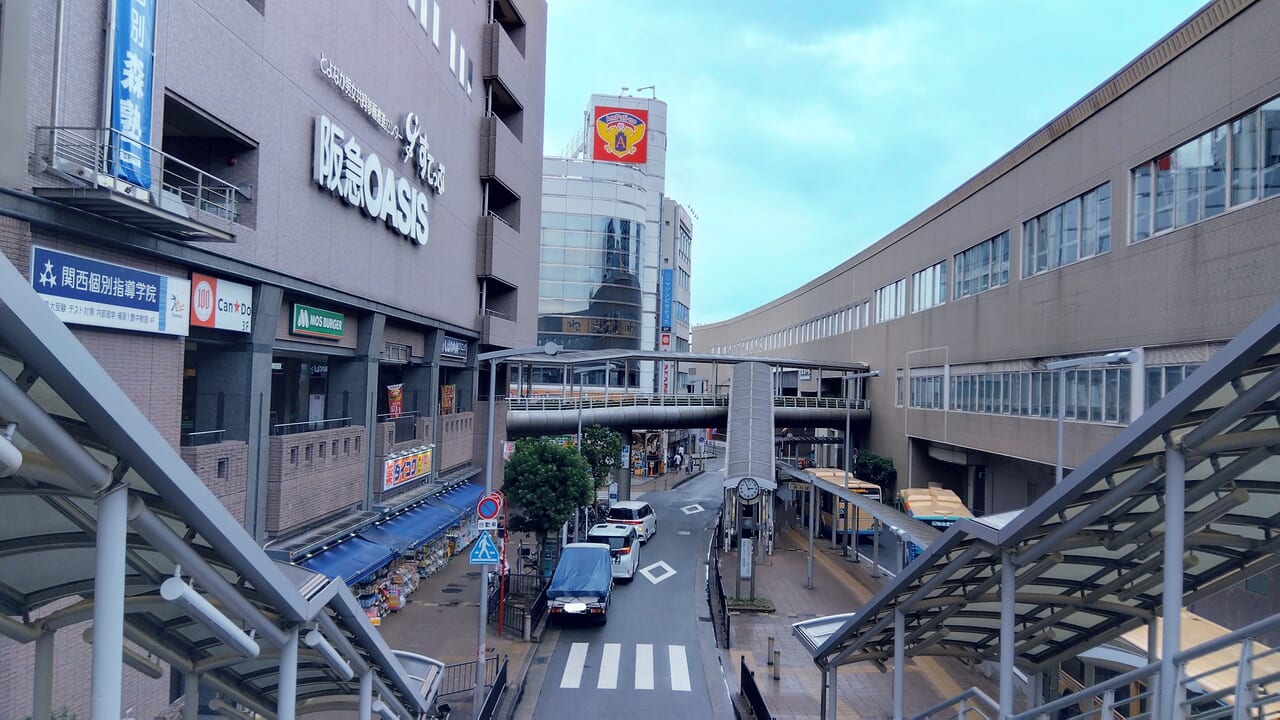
[656, 655]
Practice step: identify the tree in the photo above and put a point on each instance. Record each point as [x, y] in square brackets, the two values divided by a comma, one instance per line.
[544, 484]
[876, 469]
[602, 449]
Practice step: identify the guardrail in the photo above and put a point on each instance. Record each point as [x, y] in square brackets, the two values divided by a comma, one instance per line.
[570, 402]
[461, 677]
[201, 438]
[309, 426]
[961, 707]
[715, 593]
[747, 686]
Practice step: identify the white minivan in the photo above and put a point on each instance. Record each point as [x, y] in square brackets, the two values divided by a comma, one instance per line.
[624, 547]
[636, 513]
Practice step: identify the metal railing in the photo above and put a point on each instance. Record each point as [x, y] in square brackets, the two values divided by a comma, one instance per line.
[716, 598]
[963, 707]
[201, 438]
[749, 690]
[622, 399]
[531, 590]
[176, 186]
[1252, 695]
[309, 426]
[494, 696]
[461, 677]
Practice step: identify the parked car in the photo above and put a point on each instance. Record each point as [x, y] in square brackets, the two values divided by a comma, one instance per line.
[582, 584]
[624, 546]
[636, 513]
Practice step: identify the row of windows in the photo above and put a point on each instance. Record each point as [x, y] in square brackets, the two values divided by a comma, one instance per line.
[1076, 230]
[548, 271]
[428, 13]
[594, 223]
[846, 319]
[1093, 395]
[1206, 175]
[681, 311]
[583, 292]
[682, 278]
[929, 287]
[1233, 164]
[684, 244]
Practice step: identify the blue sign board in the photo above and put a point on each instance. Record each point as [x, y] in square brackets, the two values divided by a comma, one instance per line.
[84, 291]
[484, 552]
[667, 291]
[132, 65]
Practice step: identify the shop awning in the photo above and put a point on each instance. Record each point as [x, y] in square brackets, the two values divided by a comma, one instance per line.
[412, 528]
[353, 560]
[463, 497]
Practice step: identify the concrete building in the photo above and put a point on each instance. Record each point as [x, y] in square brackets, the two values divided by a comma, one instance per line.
[285, 229]
[1142, 220]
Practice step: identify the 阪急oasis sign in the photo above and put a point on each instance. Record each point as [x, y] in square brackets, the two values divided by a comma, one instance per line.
[315, 322]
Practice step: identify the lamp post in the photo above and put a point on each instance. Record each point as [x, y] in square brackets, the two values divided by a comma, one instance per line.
[578, 373]
[848, 451]
[1061, 367]
[493, 358]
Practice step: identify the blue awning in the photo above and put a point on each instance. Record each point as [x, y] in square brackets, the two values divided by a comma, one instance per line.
[463, 497]
[353, 560]
[412, 528]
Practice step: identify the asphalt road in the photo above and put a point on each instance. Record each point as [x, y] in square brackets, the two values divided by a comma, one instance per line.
[656, 656]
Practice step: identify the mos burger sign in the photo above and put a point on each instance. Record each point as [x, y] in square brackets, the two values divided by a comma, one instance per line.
[221, 304]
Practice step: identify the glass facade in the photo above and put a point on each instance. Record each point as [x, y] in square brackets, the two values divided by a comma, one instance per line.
[589, 291]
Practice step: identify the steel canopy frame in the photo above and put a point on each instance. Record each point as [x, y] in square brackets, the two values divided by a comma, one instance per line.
[1087, 560]
[164, 522]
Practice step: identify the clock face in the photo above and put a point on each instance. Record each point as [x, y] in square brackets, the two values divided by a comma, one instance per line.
[748, 488]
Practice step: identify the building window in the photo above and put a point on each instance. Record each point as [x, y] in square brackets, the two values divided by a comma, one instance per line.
[453, 51]
[898, 390]
[926, 392]
[293, 456]
[1075, 230]
[1208, 174]
[1162, 379]
[222, 468]
[929, 287]
[435, 24]
[983, 266]
[1098, 395]
[891, 301]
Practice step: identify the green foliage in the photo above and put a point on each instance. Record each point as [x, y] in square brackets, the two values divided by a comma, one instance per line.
[876, 469]
[600, 445]
[545, 483]
[62, 713]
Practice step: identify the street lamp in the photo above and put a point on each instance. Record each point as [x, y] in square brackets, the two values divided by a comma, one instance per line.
[1061, 366]
[848, 450]
[493, 358]
[578, 372]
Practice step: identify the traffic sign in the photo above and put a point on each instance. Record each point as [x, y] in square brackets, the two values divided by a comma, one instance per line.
[484, 552]
[487, 524]
[489, 506]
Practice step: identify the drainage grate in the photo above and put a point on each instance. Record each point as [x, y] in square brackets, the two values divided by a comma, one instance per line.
[451, 590]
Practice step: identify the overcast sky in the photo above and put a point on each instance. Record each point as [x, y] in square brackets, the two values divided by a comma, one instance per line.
[801, 131]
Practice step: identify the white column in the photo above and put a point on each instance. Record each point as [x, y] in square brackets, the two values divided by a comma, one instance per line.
[833, 694]
[1175, 522]
[366, 695]
[108, 603]
[1008, 593]
[899, 661]
[42, 701]
[287, 685]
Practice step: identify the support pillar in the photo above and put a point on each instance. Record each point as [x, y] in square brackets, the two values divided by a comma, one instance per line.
[1008, 594]
[899, 661]
[267, 301]
[366, 695]
[42, 700]
[108, 602]
[356, 381]
[190, 696]
[287, 685]
[833, 687]
[1175, 521]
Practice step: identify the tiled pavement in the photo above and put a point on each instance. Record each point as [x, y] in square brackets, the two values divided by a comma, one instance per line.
[441, 619]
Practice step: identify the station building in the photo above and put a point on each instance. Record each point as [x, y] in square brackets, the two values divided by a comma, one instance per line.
[1135, 233]
[286, 230]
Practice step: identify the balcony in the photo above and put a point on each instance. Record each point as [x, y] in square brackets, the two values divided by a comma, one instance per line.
[501, 156]
[501, 254]
[182, 202]
[503, 66]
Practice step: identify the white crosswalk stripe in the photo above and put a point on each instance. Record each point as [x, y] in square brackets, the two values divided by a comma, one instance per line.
[583, 657]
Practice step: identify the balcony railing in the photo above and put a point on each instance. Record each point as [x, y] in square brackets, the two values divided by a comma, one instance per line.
[570, 402]
[193, 198]
[309, 426]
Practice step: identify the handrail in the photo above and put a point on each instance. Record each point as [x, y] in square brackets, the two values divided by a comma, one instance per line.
[309, 425]
[962, 699]
[595, 400]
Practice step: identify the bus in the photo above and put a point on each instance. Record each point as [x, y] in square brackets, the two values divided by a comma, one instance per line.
[937, 507]
[868, 490]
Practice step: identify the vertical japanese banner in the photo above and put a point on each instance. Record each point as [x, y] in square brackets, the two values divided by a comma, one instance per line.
[132, 65]
[395, 399]
[668, 291]
[447, 395]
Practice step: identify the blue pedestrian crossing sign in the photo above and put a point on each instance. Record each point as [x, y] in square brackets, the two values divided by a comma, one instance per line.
[484, 552]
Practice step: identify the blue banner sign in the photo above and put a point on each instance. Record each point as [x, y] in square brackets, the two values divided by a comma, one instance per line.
[132, 64]
[83, 291]
[667, 291]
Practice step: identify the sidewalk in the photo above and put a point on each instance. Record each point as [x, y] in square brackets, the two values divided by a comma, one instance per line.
[839, 586]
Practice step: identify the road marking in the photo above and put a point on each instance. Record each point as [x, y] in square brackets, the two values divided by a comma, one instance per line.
[573, 667]
[644, 667]
[652, 572]
[679, 668]
[609, 666]
[692, 509]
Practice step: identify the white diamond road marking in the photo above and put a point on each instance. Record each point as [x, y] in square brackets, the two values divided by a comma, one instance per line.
[652, 574]
[692, 509]
[573, 666]
[679, 668]
[609, 667]
[644, 667]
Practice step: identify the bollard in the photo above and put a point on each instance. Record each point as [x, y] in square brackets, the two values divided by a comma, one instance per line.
[769, 656]
[777, 661]
[528, 627]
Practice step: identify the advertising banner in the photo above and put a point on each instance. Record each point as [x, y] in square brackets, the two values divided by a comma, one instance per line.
[403, 469]
[395, 399]
[91, 292]
[315, 322]
[454, 348]
[448, 395]
[620, 135]
[667, 291]
[221, 304]
[131, 71]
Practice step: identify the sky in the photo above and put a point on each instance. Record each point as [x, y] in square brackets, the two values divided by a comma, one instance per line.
[802, 131]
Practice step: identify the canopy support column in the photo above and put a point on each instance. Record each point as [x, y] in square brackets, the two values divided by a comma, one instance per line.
[190, 696]
[1171, 604]
[108, 599]
[833, 692]
[899, 660]
[366, 695]
[287, 692]
[42, 700]
[1008, 593]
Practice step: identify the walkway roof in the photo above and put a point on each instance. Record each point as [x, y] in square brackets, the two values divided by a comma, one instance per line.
[80, 436]
[893, 520]
[1089, 554]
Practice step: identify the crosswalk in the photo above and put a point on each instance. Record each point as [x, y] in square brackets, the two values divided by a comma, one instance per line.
[609, 661]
